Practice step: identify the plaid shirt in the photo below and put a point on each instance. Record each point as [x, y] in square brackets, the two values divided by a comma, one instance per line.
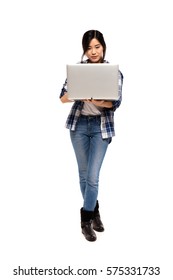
[107, 114]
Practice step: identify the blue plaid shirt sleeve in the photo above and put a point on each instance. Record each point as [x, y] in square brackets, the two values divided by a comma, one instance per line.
[64, 89]
[117, 103]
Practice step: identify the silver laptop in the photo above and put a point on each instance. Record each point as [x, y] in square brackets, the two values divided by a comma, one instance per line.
[92, 81]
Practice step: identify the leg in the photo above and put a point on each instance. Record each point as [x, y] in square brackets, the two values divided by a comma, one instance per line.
[81, 144]
[98, 148]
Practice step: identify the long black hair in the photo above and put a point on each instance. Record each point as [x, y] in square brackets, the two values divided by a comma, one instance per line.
[88, 36]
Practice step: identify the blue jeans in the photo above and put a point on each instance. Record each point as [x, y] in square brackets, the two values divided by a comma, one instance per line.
[90, 150]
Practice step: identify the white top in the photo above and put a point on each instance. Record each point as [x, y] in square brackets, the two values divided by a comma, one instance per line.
[90, 109]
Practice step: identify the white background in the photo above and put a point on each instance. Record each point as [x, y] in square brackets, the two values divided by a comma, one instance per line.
[40, 197]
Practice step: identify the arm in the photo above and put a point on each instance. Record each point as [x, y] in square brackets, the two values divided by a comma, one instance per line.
[64, 95]
[117, 103]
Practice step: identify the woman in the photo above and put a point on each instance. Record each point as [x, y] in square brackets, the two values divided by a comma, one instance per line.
[91, 127]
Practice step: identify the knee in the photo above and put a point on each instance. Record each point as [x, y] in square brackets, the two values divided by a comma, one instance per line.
[92, 182]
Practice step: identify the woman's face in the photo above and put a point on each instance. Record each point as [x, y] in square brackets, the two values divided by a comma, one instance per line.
[95, 51]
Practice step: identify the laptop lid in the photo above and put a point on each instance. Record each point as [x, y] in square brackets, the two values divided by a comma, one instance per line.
[92, 80]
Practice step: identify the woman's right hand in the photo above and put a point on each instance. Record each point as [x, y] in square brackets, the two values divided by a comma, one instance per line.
[65, 99]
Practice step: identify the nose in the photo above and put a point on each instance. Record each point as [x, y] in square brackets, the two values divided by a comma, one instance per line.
[93, 51]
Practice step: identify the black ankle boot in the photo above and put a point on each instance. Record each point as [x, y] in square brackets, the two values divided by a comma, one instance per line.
[97, 223]
[86, 225]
